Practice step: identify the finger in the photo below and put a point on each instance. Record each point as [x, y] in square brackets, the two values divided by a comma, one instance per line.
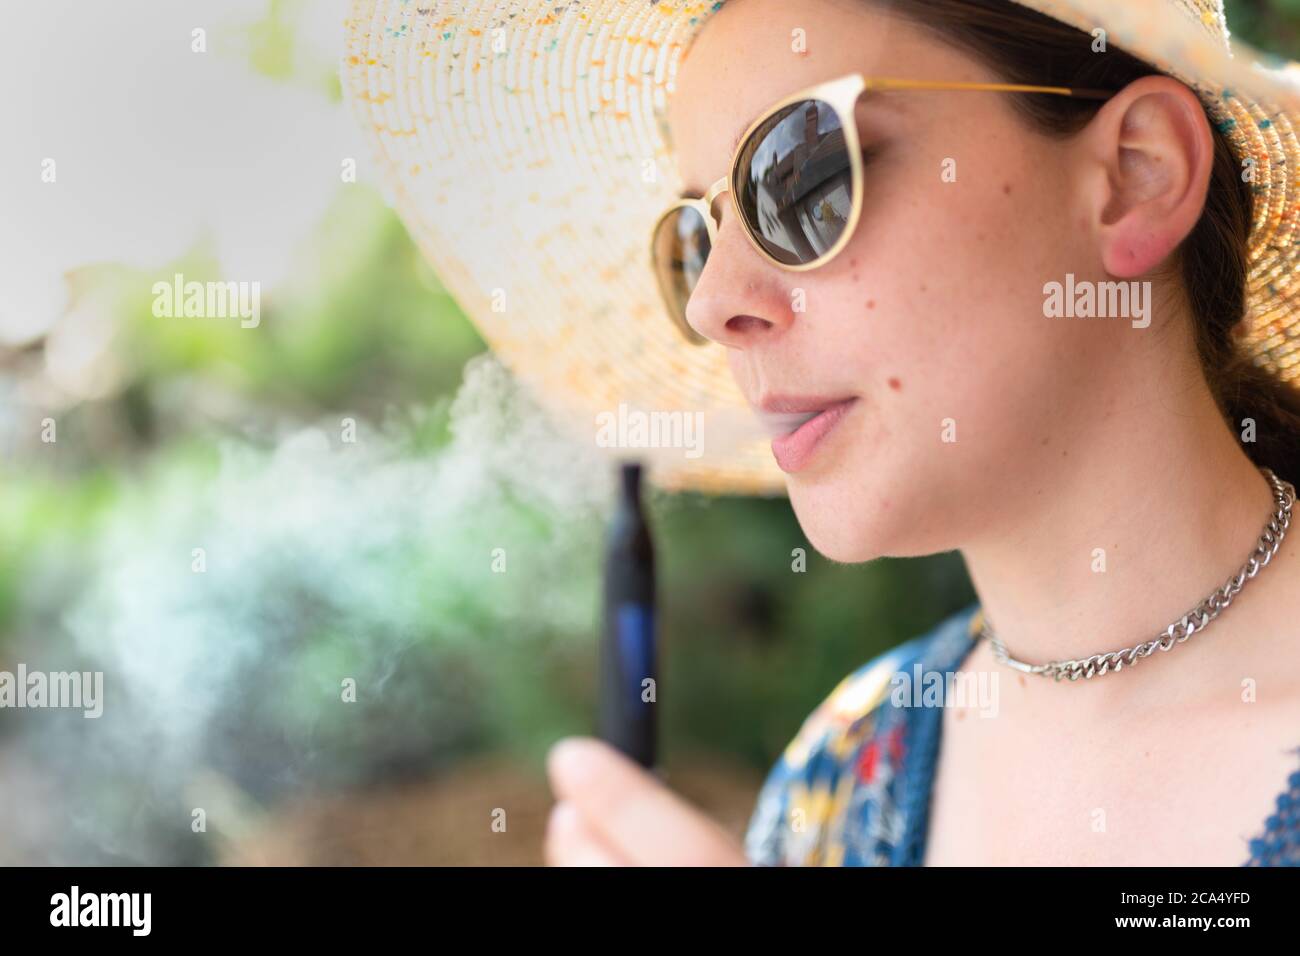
[570, 842]
[631, 811]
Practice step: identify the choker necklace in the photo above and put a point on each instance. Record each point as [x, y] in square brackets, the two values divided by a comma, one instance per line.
[1194, 620]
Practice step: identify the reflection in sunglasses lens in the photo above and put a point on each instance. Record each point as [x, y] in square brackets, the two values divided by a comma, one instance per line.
[796, 184]
[681, 247]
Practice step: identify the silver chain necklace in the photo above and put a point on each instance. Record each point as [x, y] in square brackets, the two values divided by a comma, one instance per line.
[1197, 619]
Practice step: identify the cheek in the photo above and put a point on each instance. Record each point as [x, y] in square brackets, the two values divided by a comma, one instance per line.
[948, 272]
[943, 311]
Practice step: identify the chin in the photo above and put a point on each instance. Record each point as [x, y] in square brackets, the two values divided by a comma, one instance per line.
[836, 523]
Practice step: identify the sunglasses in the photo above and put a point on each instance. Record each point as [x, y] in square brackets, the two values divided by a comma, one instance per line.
[796, 185]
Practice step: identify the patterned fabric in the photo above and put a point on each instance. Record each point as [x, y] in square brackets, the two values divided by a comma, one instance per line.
[1280, 844]
[853, 786]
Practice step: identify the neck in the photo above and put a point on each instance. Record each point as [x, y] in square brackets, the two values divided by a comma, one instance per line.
[1106, 546]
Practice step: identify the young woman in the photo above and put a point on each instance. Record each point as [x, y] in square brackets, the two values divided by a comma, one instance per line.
[1100, 475]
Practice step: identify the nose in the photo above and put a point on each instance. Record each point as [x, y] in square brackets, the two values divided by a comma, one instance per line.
[739, 299]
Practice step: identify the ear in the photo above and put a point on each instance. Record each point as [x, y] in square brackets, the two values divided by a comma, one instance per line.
[1151, 152]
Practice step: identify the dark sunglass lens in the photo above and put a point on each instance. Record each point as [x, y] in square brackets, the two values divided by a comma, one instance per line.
[681, 247]
[796, 183]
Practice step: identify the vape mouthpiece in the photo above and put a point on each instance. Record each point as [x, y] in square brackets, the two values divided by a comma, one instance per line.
[631, 474]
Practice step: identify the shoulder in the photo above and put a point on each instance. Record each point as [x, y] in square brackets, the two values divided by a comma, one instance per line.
[809, 779]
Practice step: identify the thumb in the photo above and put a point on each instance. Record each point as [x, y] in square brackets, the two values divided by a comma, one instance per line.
[632, 811]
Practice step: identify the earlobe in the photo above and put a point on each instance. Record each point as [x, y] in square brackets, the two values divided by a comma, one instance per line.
[1155, 147]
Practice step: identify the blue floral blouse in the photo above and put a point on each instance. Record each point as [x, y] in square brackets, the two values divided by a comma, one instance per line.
[853, 786]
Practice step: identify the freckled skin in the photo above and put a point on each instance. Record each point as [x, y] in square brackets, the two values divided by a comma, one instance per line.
[957, 278]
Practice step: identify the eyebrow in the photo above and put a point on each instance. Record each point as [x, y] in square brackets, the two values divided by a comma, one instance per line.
[872, 97]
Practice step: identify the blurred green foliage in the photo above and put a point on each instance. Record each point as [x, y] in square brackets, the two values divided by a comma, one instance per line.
[1269, 25]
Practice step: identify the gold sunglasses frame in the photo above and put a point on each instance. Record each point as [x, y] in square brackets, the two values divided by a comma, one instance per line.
[842, 96]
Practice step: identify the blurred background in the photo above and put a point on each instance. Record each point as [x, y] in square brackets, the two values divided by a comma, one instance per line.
[232, 523]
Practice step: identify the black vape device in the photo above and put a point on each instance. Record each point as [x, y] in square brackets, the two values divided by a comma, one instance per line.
[628, 652]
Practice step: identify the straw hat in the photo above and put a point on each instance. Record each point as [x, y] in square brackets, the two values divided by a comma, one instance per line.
[524, 145]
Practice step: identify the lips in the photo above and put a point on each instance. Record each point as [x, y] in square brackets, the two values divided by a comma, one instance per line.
[798, 425]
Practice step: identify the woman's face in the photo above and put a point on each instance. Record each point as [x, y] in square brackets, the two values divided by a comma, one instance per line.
[962, 394]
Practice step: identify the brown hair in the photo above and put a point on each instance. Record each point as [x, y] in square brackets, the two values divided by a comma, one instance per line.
[1027, 47]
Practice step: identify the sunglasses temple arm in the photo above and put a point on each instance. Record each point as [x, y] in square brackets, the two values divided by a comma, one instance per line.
[881, 83]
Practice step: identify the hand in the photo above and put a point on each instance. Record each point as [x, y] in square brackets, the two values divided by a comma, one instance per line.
[610, 811]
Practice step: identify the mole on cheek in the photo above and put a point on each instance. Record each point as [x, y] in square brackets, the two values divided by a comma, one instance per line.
[871, 303]
[895, 384]
[1006, 188]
